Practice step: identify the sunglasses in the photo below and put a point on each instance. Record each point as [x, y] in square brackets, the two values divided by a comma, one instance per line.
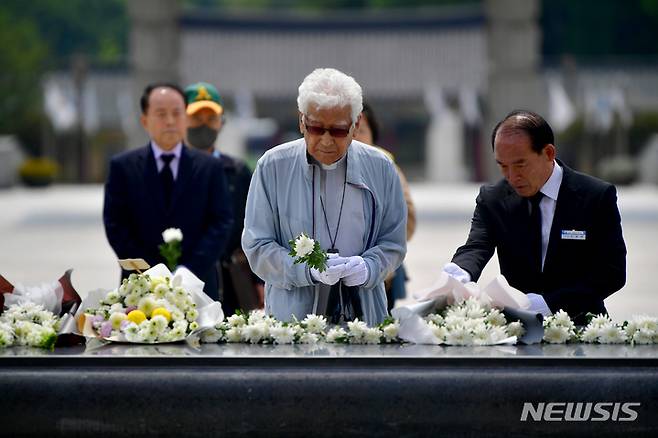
[334, 132]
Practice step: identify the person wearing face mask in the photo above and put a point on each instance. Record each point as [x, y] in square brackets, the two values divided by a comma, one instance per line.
[239, 287]
[343, 193]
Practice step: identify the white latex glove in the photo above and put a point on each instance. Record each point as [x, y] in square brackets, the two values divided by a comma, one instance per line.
[457, 273]
[538, 304]
[331, 275]
[356, 273]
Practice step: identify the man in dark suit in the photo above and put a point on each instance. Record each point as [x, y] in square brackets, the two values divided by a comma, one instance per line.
[557, 232]
[164, 185]
[205, 119]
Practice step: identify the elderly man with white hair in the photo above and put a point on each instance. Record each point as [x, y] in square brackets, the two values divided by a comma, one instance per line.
[343, 193]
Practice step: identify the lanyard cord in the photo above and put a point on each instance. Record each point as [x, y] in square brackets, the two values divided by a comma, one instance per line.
[340, 213]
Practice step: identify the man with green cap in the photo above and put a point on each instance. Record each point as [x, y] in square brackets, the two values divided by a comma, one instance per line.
[205, 119]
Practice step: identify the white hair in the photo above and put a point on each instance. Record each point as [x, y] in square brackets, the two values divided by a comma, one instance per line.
[330, 88]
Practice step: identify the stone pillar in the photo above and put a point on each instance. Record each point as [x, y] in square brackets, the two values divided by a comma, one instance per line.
[514, 62]
[154, 50]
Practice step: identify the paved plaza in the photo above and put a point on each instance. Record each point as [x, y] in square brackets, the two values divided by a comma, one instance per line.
[43, 232]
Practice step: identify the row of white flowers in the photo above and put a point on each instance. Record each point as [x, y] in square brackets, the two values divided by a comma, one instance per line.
[641, 329]
[29, 325]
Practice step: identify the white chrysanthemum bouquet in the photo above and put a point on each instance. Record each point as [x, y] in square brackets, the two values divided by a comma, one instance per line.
[471, 322]
[28, 324]
[152, 307]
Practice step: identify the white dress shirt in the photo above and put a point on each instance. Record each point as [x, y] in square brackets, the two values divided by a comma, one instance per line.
[158, 152]
[547, 206]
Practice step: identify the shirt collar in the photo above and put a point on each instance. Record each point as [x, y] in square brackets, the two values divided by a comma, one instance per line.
[552, 187]
[158, 151]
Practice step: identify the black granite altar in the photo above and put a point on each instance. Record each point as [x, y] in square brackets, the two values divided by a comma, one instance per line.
[329, 390]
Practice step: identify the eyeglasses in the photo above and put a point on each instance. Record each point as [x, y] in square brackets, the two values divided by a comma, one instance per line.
[334, 132]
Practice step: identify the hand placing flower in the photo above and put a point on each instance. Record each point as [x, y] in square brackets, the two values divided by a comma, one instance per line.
[307, 250]
[170, 250]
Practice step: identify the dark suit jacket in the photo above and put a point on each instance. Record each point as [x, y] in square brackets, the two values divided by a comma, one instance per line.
[578, 274]
[135, 214]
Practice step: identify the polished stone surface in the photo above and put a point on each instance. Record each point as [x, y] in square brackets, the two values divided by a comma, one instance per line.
[325, 350]
[326, 390]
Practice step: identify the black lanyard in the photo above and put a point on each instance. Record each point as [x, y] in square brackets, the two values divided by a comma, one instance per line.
[333, 248]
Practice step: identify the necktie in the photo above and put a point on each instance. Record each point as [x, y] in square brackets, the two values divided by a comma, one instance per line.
[167, 177]
[535, 229]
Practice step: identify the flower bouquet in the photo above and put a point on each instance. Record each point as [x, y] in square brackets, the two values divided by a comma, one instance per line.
[152, 307]
[38, 316]
[30, 325]
[453, 313]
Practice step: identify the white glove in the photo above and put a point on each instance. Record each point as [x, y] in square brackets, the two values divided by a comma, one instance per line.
[538, 304]
[336, 260]
[331, 275]
[457, 273]
[356, 273]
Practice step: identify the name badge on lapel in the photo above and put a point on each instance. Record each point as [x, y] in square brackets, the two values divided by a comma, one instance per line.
[574, 235]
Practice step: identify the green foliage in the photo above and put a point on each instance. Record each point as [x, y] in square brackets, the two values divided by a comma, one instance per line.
[171, 252]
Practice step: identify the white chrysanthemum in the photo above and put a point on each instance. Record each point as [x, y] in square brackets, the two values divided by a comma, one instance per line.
[160, 323]
[192, 315]
[473, 325]
[117, 308]
[515, 329]
[146, 305]
[372, 335]
[304, 245]
[646, 322]
[452, 322]
[125, 288]
[562, 319]
[556, 334]
[481, 335]
[182, 324]
[356, 330]
[112, 297]
[177, 314]
[590, 334]
[234, 334]
[116, 318]
[391, 331]
[282, 335]
[456, 312]
[256, 316]
[172, 235]
[459, 336]
[497, 334]
[254, 333]
[496, 318]
[435, 318]
[132, 299]
[309, 338]
[336, 334]
[161, 290]
[6, 335]
[600, 320]
[236, 321]
[643, 336]
[176, 334]
[474, 309]
[315, 323]
[439, 331]
[611, 334]
[193, 325]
